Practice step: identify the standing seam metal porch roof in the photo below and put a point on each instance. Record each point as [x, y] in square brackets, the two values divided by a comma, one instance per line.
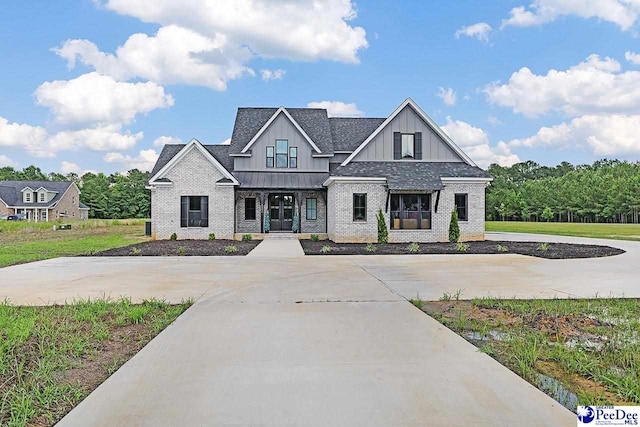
[288, 180]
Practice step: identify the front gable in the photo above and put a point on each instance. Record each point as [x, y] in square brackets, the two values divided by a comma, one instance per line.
[435, 145]
[280, 116]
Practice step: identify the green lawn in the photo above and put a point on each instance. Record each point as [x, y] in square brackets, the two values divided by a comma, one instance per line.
[53, 357]
[581, 352]
[602, 231]
[23, 241]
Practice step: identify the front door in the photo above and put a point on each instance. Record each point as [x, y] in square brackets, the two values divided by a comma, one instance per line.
[281, 212]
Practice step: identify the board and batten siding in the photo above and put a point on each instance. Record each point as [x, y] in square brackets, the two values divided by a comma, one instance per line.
[281, 128]
[434, 149]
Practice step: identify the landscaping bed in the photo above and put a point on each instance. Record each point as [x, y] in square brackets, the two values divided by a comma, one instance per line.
[183, 248]
[53, 357]
[580, 352]
[537, 249]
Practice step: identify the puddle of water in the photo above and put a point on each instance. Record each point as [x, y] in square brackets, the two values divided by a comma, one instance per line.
[555, 389]
[491, 335]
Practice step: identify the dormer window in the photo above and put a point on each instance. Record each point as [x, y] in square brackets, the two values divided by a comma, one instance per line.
[27, 197]
[408, 146]
[43, 197]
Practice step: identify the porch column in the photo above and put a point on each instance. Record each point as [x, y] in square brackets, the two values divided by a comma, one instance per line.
[299, 196]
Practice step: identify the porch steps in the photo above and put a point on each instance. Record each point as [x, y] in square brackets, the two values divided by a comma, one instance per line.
[280, 236]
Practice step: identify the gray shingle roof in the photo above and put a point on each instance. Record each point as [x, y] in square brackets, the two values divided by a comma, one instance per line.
[283, 180]
[410, 175]
[349, 132]
[314, 121]
[10, 191]
[218, 151]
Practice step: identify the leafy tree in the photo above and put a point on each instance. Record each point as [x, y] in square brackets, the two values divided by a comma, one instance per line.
[547, 214]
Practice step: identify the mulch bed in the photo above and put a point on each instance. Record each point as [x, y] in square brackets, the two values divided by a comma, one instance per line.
[554, 250]
[181, 248]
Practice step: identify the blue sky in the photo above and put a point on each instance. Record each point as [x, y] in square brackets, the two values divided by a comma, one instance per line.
[101, 85]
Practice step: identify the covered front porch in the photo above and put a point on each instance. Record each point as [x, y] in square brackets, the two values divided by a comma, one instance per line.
[33, 214]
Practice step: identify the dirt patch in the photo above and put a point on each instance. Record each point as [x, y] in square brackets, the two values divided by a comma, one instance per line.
[182, 248]
[536, 249]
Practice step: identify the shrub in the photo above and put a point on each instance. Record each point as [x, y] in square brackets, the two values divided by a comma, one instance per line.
[454, 229]
[502, 248]
[295, 223]
[413, 247]
[371, 247]
[181, 250]
[462, 247]
[267, 222]
[326, 249]
[315, 238]
[547, 213]
[383, 233]
[136, 251]
[174, 236]
[247, 237]
[231, 249]
[212, 236]
[544, 247]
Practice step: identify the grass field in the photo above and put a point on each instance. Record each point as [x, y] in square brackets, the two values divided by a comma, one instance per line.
[53, 357]
[602, 231]
[22, 241]
[581, 352]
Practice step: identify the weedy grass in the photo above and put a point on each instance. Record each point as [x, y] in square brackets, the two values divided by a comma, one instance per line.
[52, 357]
[603, 231]
[591, 346]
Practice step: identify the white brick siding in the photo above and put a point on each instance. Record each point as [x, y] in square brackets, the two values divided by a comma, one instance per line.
[318, 225]
[193, 175]
[247, 226]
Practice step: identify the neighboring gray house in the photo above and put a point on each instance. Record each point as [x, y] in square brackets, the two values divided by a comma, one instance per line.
[42, 200]
[313, 174]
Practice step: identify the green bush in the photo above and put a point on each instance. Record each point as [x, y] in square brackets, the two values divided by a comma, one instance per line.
[231, 249]
[212, 236]
[326, 249]
[371, 247]
[247, 237]
[383, 232]
[174, 236]
[267, 222]
[136, 251]
[315, 238]
[462, 247]
[181, 250]
[544, 247]
[502, 248]
[454, 228]
[413, 247]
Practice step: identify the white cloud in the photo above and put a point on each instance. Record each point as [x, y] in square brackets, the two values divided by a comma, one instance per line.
[479, 31]
[593, 86]
[163, 140]
[272, 74]
[24, 136]
[69, 167]
[447, 95]
[174, 55]
[602, 135]
[5, 161]
[475, 142]
[623, 13]
[226, 142]
[105, 138]
[337, 108]
[144, 161]
[494, 121]
[97, 99]
[632, 57]
[303, 30]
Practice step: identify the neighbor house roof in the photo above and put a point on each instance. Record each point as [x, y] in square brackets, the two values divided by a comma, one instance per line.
[313, 121]
[11, 191]
[349, 132]
[299, 180]
[410, 175]
[218, 151]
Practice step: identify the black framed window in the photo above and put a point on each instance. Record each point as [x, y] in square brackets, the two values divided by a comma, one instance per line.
[270, 154]
[312, 209]
[408, 146]
[282, 153]
[359, 206]
[410, 211]
[462, 206]
[194, 211]
[293, 157]
[250, 209]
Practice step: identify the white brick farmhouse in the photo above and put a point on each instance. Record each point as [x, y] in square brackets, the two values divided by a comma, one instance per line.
[298, 170]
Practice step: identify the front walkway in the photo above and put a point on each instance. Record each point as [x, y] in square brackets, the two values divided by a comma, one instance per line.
[276, 245]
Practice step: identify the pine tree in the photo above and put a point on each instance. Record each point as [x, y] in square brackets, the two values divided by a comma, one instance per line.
[383, 233]
[454, 229]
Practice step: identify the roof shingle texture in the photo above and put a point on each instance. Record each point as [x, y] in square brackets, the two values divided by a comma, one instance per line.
[11, 191]
[218, 151]
[349, 133]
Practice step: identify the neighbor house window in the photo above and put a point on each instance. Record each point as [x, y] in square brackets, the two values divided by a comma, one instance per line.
[194, 211]
[250, 209]
[408, 146]
[359, 207]
[312, 209]
[293, 157]
[282, 150]
[27, 197]
[462, 206]
[42, 197]
[410, 211]
[270, 154]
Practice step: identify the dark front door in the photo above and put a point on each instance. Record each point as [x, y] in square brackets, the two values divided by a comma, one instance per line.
[281, 212]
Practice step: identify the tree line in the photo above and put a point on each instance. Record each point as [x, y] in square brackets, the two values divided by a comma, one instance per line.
[112, 196]
[606, 191]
